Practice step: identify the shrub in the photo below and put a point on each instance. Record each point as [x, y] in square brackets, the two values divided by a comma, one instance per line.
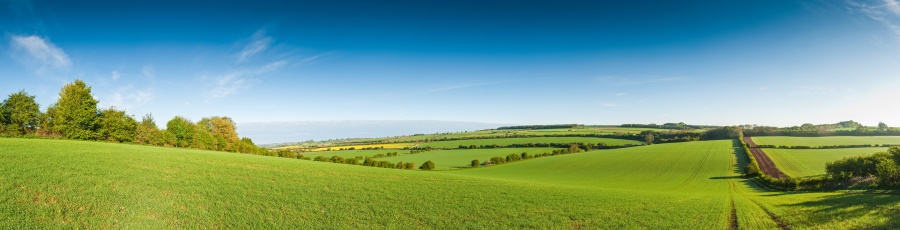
[475, 163]
[428, 165]
[497, 160]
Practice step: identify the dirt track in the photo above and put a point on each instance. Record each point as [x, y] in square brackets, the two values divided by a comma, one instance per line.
[765, 164]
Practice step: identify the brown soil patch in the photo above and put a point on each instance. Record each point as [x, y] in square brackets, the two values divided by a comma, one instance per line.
[765, 164]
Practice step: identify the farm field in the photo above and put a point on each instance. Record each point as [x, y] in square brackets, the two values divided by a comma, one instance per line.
[811, 162]
[352, 153]
[492, 133]
[693, 185]
[452, 159]
[826, 141]
[525, 140]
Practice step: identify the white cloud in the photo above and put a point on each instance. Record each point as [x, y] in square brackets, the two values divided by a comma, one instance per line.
[887, 12]
[127, 98]
[116, 75]
[258, 43]
[893, 6]
[232, 81]
[39, 51]
[622, 81]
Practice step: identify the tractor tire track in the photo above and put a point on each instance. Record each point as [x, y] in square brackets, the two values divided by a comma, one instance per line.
[697, 170]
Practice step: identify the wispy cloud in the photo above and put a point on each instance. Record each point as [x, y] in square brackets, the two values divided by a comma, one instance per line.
[232, 81]
[116, 75]
[258, 43]
[39, 52]
[622, 81]
[127, 97]
[147, 72]
[887, 12]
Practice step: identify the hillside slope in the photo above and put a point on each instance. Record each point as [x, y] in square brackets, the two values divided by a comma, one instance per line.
[73, 184]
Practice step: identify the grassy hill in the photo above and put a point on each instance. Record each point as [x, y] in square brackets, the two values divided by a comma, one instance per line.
[73, 184]
[527, 140]
[826, 141]
[811, 162]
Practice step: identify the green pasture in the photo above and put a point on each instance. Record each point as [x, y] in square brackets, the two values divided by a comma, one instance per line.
[811, 162]
[525, 140]
[826, 141]
[695, 185]
[462, 158]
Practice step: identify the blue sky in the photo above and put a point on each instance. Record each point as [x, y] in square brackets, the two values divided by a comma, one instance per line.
[522, 62]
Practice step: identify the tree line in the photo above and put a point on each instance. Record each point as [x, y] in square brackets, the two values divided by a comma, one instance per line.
[559, 126]
[679, 125]
[574, 148]
[583, 145]
[844, 128]
[824, 146]
[75, 115]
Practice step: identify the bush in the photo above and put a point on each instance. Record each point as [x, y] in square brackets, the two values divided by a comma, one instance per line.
[497, 160]
[428, 165]
[513, 157]
[475, 163]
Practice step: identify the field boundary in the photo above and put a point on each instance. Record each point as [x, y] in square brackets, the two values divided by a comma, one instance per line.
[765, 163]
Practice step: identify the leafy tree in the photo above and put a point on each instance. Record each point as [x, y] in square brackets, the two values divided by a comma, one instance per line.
[475, 163]
[75, 114]
[182, 129]
[20, 114]
[203, 139]
[167, 138]
[498, 160]
[882, 126]
[410, 165]
[223, 131]
[574, 148]
[428, 165]
[116, 126]
[648, 139]
[147, 132]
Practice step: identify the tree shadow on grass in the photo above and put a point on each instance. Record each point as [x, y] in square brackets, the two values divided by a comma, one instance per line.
[846, 206]
[742, 160]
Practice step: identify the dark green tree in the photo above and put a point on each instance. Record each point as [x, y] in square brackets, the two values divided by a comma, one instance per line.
[182, 129]
[116, 126]
[20, 114]
[428, 165]
[76, 114]
[147, 132]
[476, 163]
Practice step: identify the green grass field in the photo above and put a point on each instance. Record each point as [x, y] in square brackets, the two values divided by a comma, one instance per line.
[811, 162]
[826, 141]
[451, 159]
[525, 140]
[73, 184]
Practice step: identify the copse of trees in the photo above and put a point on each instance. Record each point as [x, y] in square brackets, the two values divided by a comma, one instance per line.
[844, 128]
[116, 126]
[75, 115]
[884, 167]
